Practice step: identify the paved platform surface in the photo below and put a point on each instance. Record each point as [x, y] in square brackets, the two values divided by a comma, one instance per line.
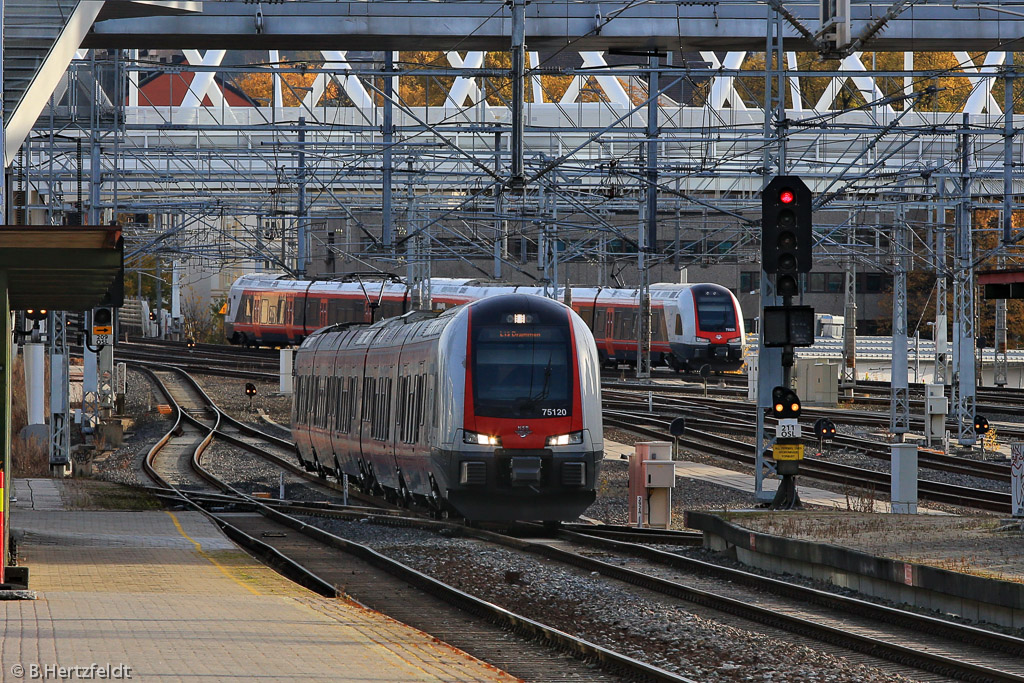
[742, 481]
[37, 494]
[168, 596]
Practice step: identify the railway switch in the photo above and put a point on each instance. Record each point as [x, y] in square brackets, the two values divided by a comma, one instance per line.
[652, 476]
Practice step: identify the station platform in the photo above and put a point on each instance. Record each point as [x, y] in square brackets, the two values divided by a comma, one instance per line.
[743, 481]
[166, 596]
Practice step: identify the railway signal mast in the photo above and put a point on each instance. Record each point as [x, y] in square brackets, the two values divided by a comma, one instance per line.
[786, 234]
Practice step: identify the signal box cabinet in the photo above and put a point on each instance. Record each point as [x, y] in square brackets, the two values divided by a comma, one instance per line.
[652, 475]
[817, 382]
[660, 473]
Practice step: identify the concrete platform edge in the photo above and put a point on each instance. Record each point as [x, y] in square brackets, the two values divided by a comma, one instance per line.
[971, 597]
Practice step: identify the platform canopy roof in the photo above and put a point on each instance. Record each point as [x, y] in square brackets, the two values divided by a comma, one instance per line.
[60, 268]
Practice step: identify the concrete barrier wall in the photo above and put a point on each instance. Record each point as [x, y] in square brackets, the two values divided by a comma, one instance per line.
[971, 597]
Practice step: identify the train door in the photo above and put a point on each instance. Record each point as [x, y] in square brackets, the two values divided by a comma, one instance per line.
[289, 312]
[323, 311]
[609, 332]
[257, 318]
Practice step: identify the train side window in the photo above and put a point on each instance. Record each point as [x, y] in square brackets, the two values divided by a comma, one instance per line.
[273, 308]
[380, 427]
[351, 401]
[316, 401]
[246, 309]
[325, 402]
[269, 310]
[386, 410]
[658, 331]
[303, 416]
[679, 325]
[339, 418]
[623, 323]
[369, 396]
[599, 321]
[587, 313]
[304, 401]
[330, 404]
[400, 417]
[419, 406]
[433, 399]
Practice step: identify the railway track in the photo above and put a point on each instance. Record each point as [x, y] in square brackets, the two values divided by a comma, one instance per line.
[311, 556]
[844, 475]
[845, 624]
[275, 531]
[737, 418]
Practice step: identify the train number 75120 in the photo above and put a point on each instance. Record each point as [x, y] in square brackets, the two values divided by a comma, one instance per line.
[553, 412]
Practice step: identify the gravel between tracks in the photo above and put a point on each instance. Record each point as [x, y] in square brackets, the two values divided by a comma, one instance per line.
[992, 554]
[124, 465]
[662, 631]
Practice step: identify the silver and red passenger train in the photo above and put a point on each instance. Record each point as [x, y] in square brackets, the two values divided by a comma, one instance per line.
[491, 409]
[692, 324]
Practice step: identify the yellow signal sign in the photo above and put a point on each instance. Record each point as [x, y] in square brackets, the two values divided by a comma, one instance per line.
[102, 329]
[788, 451]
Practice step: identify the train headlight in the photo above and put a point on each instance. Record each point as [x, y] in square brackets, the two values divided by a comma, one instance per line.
[565, 439]
[480, 439]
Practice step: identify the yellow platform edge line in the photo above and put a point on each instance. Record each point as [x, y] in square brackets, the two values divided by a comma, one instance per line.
[203, 553]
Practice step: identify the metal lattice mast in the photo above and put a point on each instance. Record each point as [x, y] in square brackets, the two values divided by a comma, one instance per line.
[386, 219]
[963, 298]
[300, 211]
[769, 361]
[518, 88]
[1000, 369]
[941, 289]
[899, 409]
[60, 425]
[849, 379]
[500, 221]
[649, 224]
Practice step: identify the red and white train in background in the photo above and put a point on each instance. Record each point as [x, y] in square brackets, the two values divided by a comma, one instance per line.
[491, 409]
[692, 325]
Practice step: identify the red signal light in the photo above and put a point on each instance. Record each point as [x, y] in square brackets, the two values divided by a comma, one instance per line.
[787, 196]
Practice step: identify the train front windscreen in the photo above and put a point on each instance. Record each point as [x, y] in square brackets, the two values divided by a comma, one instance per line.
[522, 370]
[715, 310]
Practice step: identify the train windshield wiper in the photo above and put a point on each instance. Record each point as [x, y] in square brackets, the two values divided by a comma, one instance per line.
[530, 404]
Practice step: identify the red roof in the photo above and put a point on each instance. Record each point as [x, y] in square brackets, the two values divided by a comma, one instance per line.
[168, 89]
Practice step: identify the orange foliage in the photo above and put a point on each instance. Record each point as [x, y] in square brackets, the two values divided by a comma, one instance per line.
[260, 87]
